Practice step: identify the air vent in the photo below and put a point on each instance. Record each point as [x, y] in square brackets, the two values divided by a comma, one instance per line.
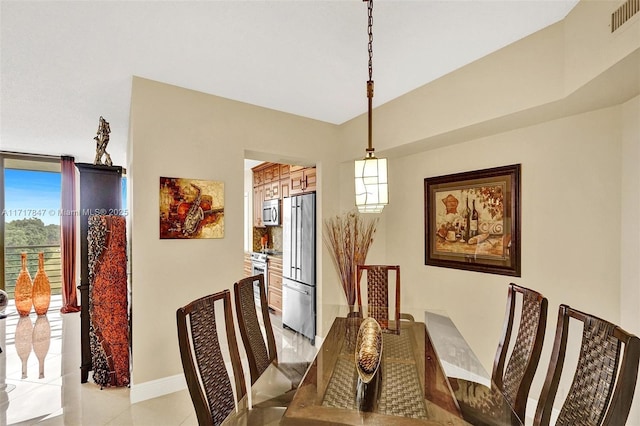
[624, 13]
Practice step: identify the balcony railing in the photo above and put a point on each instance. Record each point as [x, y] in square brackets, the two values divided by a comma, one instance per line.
[13, 264]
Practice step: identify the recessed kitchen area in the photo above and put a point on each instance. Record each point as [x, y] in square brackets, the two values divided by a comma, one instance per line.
[280, 239]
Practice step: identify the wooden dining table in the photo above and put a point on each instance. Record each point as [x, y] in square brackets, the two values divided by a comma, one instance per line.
[415, 386]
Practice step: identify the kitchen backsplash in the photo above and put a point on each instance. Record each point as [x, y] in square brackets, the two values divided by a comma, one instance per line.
[274, 237]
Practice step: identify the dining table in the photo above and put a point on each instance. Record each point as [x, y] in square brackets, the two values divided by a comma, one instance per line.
[427, 375]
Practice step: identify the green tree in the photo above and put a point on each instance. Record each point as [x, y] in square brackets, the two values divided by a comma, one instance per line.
[22, 234]
[31, 232]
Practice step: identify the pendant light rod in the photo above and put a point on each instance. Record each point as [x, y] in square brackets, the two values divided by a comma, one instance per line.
[370, 148]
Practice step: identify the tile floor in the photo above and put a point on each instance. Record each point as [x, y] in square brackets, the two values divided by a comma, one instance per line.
[58, 397]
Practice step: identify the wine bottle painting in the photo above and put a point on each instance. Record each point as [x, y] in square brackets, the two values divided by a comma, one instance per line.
[472, 220]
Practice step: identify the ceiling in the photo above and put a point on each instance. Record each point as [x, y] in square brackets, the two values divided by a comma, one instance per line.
[64, 64]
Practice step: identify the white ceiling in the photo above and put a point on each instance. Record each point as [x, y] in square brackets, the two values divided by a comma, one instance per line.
[64, 63]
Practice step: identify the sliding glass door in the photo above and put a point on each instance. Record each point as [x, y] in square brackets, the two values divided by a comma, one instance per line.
[30, 205]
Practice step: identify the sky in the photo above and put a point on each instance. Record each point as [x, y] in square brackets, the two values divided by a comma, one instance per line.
[31, 194]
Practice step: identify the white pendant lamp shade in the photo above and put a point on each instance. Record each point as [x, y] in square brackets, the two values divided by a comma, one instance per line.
[372, 186]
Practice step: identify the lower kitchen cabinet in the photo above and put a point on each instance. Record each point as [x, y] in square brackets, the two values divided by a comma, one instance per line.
[247, 265]
[275, 284]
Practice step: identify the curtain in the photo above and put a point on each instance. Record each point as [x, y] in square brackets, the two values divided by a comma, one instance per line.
[69, 231]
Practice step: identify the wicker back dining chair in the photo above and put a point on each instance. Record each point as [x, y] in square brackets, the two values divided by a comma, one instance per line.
[204, 367]
[377, 293]
[515, 380]
[259, 354]
[602, 389]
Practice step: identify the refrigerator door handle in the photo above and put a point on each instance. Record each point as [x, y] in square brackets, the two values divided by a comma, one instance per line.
[295, 289]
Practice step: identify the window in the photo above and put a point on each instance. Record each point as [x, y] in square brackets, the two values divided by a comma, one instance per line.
[31, 217]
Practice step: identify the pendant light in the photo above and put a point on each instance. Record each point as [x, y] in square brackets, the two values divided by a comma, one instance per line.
[372, 186]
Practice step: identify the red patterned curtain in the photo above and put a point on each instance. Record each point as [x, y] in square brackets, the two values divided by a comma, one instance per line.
[68, 240]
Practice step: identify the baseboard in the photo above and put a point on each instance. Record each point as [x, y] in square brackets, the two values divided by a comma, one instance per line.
[156, 388]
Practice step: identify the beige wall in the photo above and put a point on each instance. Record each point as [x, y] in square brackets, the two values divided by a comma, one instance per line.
[181, 133]
[570, 227]
[525, 104]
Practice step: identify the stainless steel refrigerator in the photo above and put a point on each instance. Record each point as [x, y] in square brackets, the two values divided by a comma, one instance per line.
[299, 264]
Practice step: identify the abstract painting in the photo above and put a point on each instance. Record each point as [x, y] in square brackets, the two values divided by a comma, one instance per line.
[191, 208]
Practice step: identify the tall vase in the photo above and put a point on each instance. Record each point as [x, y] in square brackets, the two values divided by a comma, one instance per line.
[41, 288]
[23, 290]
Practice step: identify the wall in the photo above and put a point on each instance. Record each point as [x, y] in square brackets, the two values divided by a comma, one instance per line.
[580, 208]
[563, 103]
[181, 133]
[570, 227]
[630, 229]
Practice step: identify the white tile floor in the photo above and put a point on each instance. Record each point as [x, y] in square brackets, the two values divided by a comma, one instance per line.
[58, 398]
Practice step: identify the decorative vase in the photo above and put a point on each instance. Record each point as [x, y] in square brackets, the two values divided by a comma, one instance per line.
[41, 288]
[41, 341]
[23, 337]
[23, 290]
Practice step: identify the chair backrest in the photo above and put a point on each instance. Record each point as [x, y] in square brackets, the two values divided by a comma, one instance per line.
[602, 389]
[204, 367]
[258, 353]
[515, 380]
[377, 291]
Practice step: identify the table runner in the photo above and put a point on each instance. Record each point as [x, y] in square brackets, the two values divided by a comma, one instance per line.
[401, 393]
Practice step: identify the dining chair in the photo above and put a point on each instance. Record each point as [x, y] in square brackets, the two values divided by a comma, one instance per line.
[377, 294]
[602, 389]
[511, 378]
[204, 367]
[259, 354]
[515, 379]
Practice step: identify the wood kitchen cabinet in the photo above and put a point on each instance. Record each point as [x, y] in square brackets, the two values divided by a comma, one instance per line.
[258, 198]
[284, 188]
[284, 171]
[258, 176]
[272, 190]
[246, 265]
[272, 173]
[272, 181]
[274, 294]
[302, 180]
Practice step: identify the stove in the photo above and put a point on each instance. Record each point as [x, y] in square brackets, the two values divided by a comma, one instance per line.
[259, 266]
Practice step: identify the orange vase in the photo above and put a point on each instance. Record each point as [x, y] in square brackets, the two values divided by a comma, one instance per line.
[41, 288]
[23, 290]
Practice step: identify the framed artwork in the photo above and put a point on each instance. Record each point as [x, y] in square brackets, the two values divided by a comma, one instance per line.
[472, 220]
[191, 208]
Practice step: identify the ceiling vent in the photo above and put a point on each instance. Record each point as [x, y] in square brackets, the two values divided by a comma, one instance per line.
[624, 13]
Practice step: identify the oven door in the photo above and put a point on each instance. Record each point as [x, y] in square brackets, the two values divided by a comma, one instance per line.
[259, 268]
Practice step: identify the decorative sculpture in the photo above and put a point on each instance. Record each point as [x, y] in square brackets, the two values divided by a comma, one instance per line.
[102, 140]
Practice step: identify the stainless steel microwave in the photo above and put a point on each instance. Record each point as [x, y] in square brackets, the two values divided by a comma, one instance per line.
[271, 213]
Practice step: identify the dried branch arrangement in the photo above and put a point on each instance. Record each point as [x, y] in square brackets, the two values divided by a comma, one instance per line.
[349, 237]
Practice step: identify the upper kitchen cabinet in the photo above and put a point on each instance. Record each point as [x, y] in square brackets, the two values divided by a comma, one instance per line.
[271, 173]
[302, 180]
[273, 181]
[258, 199]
